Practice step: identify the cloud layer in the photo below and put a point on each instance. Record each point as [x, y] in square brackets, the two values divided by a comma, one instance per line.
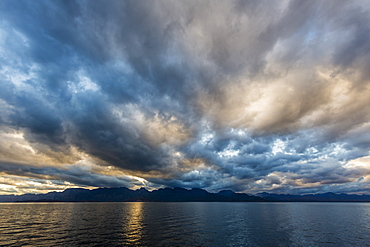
[245, 95]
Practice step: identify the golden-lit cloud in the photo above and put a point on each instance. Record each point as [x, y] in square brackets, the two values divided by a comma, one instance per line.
[15, 148]
[163, 130]
[10, 184]
[289, 104]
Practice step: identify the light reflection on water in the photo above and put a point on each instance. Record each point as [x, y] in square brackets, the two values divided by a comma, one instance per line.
[185, 224]
[134, 226]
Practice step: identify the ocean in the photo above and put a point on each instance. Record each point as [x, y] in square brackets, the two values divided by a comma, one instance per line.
[185, 224]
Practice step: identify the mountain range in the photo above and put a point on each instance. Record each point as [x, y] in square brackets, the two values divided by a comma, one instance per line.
[174, 195]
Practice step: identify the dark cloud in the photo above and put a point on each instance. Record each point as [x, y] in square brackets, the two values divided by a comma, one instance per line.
[76, 175]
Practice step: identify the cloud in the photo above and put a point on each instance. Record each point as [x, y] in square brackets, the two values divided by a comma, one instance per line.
[246, 95]
[48, 178]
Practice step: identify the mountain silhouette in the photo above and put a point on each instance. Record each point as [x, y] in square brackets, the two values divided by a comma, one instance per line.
[174, 195]
[323, 197]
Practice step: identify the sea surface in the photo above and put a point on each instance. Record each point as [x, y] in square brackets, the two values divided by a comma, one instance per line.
[185, 224]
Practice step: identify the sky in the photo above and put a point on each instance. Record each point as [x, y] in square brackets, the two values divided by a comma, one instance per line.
[252, 96]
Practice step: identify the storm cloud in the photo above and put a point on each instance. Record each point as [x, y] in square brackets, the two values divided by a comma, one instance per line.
[246, 95]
